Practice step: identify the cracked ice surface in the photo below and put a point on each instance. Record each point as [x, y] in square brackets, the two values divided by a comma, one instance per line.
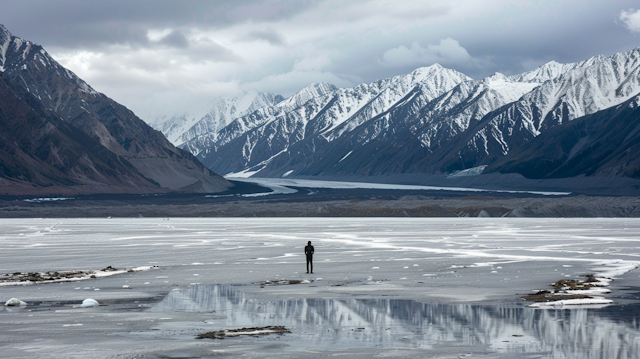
[411, 271]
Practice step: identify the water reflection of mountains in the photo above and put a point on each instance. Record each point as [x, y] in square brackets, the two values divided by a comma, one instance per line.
[351, 323]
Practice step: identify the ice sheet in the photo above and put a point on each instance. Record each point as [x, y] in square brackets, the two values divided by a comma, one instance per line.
[458, 262]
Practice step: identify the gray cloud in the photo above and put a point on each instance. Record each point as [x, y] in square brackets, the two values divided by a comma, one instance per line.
[147, 52]
[271, 36]
[80, 23]
[175, 39]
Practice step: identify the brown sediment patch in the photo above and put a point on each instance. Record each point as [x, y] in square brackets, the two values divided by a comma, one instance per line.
[572, 284]
[591, 279]
[19, 278]
[547, 296]
[283, 282]
[254, 331]
[560, 287]
[43, 277]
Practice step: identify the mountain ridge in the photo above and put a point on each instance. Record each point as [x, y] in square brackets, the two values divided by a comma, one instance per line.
[28, 68]
[421, 122]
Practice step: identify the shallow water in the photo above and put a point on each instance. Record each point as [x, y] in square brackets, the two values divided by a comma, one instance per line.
[319, 324]
[375, 274]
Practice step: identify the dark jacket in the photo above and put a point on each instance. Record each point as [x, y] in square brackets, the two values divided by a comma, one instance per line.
[308, 250]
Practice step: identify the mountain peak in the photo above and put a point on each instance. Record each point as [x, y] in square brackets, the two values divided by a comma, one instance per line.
[436, 74]
[4, 32]
[435, 66]
[432, 69]
[314, 90]
[545, 72]
[497, 76]
[320, 87]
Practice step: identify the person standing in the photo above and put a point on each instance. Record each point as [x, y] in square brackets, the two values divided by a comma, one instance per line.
[308, 250]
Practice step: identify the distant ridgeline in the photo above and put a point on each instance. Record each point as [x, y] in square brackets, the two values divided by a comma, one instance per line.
[559, 120]
[59, 136]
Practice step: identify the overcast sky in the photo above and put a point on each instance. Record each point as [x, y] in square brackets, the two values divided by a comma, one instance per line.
[163, 57]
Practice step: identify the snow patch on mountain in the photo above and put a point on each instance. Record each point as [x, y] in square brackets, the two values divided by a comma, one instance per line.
[474, 171]
[509, 89]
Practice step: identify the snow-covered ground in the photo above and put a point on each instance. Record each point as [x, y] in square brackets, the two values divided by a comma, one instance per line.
[442, 287]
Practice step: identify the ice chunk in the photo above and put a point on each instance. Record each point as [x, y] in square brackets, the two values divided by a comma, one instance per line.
[571, 302]
[14, 302]
[87, 303]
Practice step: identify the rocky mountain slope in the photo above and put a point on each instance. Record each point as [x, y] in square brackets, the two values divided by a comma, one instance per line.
[605, 143]
[42, 154]
[602, 83]
[434, 120]
[27, 68]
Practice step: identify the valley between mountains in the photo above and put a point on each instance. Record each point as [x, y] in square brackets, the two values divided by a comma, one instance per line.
[560, 127]
[556, 121]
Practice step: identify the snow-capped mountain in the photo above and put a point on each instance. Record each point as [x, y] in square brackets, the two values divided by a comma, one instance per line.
[552, 70]
[209, 141]
[32, 74]
[605, 143]
[184, 127]
[315, 116]
[404, 136]
[433, 120]
[602, 83]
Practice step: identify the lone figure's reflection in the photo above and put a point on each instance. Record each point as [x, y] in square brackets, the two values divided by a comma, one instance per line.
[308, 250]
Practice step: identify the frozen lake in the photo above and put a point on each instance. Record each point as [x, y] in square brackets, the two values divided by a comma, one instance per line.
[410, 287]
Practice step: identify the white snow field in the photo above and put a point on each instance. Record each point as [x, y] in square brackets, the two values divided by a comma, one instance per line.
[382, 287]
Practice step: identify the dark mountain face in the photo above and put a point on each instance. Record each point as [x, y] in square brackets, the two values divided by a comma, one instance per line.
[40, 153]
[606, 143]
[27, 68]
